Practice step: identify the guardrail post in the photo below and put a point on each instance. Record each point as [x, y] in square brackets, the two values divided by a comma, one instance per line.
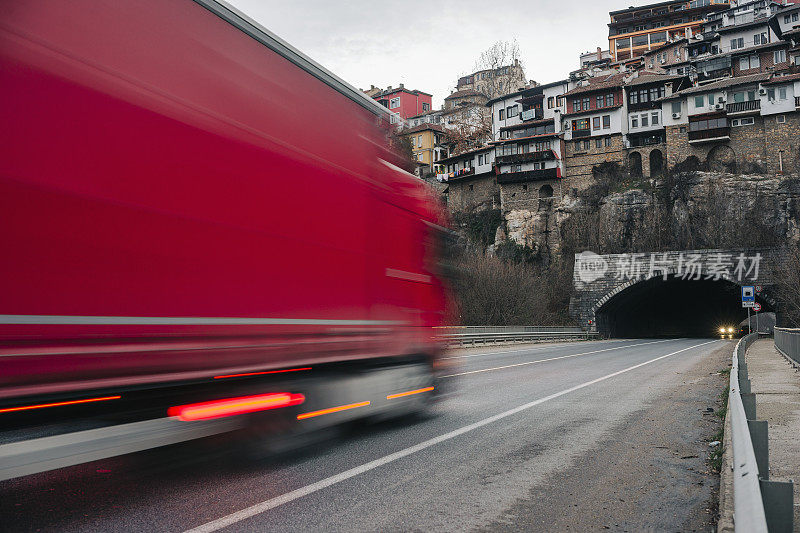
[778, 505]
[760, 437]
[749, 402]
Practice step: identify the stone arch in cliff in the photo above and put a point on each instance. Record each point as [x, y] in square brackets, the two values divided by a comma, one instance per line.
[635, 164]
[721, 158]
[656, 162]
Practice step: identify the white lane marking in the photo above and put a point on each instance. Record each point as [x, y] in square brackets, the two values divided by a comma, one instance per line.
[553, 358]
[539, 347]
[185, 320]
[277, 501]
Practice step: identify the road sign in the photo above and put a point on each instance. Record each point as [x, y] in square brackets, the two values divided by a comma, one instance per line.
[748, 295]
[756, 307]
[759, 288]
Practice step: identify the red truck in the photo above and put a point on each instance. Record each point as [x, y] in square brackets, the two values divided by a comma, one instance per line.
[197, 218]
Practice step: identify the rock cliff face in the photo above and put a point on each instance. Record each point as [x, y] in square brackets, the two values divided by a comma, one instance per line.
[693, 210]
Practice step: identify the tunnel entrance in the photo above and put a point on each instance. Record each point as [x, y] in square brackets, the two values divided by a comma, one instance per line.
[673, 308]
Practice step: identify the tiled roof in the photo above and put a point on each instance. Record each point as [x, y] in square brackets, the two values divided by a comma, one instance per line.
[651, 77]
[591, 111]
[598, 83]
[423, 127]
[721, 84]
[465, 154]
[463, 93]
[782, 79]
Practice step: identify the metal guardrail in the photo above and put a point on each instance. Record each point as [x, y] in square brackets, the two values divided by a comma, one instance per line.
[484, 335]
[787, 341]
[759, 504]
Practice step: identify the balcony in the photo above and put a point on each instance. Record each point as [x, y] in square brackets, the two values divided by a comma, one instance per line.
[797, 101]
[544, 155]
[712, 135]
[531, 114]
[576, 134]
[744, 107]
[528, 175]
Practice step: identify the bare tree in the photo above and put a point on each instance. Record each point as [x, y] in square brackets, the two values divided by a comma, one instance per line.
[787, 275]
[467, 128]
[495, 81]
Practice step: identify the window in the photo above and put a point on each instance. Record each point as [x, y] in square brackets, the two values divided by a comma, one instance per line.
[676, 107]
[737, 43]
[634, 97]
[576, 105]
[607, 141]
[596, 123]
[559, 101]
[634, 121]
[787, 19]
[759, 38]
[501, 114]
[609, 100]
[586, 104]
[645, 120]
[699, 101]
[782, 93]
[748, 121]
[780, 56]
[517, 168]
[710, 99]
[682, 129]
[780, 119]
[606, 122]
[580, 124]
[393, 119]
[394, 103]
[599, 102]
[654, 94]
[550, 102]
[654, 119]
[794, 17]
[512, 111]
[598, 143]
[426, 106]
[419, 141]
[586, 145]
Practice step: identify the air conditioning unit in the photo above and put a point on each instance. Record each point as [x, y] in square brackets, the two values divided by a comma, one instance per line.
[676, 115]
[762, 92]
[719, 106]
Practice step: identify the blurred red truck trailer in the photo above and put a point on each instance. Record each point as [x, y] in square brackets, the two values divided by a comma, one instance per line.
[185, 197]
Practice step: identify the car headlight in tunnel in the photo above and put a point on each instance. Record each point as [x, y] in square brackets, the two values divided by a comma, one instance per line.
[730, 330]
[722, 330]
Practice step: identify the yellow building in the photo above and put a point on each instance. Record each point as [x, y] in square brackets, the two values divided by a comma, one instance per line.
[426, 149]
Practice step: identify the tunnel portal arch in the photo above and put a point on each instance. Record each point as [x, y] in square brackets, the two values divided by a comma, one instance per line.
[674, 293]
[672, 307]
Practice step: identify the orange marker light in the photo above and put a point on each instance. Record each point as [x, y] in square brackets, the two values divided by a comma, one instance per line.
[235, 406]
[331, 410]
[260, 373]
[58, 404]
[408, 393]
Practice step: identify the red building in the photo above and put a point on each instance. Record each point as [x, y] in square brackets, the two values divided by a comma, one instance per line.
[404, 102]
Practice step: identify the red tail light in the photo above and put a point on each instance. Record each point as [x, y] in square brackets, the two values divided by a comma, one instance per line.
[235, 406]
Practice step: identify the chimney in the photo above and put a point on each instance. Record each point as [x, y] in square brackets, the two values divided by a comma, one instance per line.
[668, 88]
[401, 85]
[599, 53]
[389, 88]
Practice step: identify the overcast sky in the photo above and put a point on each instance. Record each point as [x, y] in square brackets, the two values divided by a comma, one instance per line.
[427, 44]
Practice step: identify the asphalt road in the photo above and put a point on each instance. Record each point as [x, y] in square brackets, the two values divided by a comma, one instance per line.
[582, 436]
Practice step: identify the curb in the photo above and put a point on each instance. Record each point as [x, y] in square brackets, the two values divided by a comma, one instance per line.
[725, 522]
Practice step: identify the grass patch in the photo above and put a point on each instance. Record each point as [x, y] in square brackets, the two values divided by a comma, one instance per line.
[715, 457]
